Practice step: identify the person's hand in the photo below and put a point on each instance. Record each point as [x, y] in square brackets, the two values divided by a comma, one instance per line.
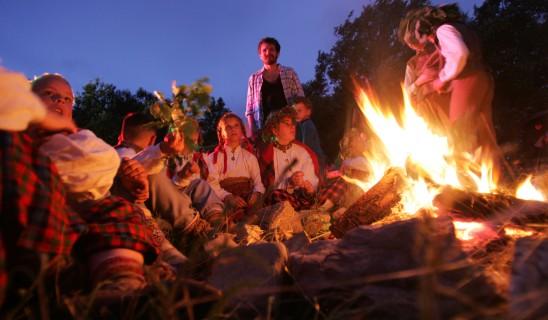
[173, 143]
[189, 169]
[439, 85]
[308, 187]
[297, 179]
[253, 199]
[234, 201]
[54, 122]
[425, 78]
[134, 179]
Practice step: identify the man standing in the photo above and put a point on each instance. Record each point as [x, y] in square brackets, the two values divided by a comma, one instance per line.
[271, 88]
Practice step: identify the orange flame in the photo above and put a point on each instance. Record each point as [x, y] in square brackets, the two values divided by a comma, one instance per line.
[413, 141]
[527, 191]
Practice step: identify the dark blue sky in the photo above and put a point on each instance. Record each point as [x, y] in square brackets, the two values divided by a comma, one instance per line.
[148, 43]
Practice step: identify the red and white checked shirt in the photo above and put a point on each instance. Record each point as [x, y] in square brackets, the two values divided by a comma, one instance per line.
[290, 83]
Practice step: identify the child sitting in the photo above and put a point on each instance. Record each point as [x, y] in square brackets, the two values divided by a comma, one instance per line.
[288, 167]
[119, 239]
[340, 193]
[234, 170]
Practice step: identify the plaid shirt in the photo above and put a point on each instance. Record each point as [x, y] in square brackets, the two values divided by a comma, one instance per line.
[290, 83]
[34, 214]
[114, 222]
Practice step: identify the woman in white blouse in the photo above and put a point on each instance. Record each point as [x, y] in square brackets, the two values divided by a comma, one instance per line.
[463, 74]
[233, 169]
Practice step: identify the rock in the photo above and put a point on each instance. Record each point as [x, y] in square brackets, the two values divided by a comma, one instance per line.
[249, 275]
[529, 282]
[222, 242]
[316, 223]
[247, 234]
[280, 221]
[369, 264]
[297, 242]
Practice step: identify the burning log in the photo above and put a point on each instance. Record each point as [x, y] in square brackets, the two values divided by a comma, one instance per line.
[496, 207]
[374, 205]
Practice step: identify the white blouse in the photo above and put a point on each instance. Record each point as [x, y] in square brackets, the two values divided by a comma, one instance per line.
[453, 49]
[303, 162]
[86, 164]
[240, 163]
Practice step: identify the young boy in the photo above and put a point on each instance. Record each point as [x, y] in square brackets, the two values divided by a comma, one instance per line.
[306, 130]
[136, 142]
[117, 241]
[288, 166]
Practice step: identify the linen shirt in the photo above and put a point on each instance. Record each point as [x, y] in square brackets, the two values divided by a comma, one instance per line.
[245, 165]
[290, 83]
[303, 162]
[151, 158]
[453, 49]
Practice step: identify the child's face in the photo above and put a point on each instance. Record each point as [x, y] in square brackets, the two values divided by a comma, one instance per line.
[232, 131]
[285, 132]
[145, 138]
[303, 112]
[57, 96]
[356, 146]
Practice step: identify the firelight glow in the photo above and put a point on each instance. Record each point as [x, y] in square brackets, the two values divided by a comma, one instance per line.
[413, 142]
[527, 191]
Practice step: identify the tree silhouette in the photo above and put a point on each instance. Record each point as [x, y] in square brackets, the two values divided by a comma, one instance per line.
[208, 123]
[101, 107]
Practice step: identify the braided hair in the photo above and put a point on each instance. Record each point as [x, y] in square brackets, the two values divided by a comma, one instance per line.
[426, 20]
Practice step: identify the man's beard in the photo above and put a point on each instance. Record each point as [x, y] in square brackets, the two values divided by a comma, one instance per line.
[271, 60]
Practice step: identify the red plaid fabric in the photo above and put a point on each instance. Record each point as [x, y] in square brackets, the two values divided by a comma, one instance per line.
[334, 191]
[299, 199]
[34, 214]
[34, 211]
[114, 222]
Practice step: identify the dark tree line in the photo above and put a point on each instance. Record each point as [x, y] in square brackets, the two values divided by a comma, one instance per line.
[101, 107]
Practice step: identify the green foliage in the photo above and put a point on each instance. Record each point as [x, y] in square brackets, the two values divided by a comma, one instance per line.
[101, 107]
[208, 123]
[186, 102]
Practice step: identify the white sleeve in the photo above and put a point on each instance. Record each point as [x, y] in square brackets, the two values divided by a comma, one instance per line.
[255, 173]
[453, 49]
[18, 105]
[152, 159]
[307, 167]
[126, 152]
[213, 178]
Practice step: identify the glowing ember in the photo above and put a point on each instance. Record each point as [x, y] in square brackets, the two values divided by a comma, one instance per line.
[517, 233]
[527, 191]
[472, 230]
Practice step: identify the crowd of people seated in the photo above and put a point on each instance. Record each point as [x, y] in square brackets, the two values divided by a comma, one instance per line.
[67, 193]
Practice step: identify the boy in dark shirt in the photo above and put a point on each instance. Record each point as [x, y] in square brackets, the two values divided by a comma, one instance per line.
[306, 130]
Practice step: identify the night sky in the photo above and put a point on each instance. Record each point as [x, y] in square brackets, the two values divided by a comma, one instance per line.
[150, 43]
